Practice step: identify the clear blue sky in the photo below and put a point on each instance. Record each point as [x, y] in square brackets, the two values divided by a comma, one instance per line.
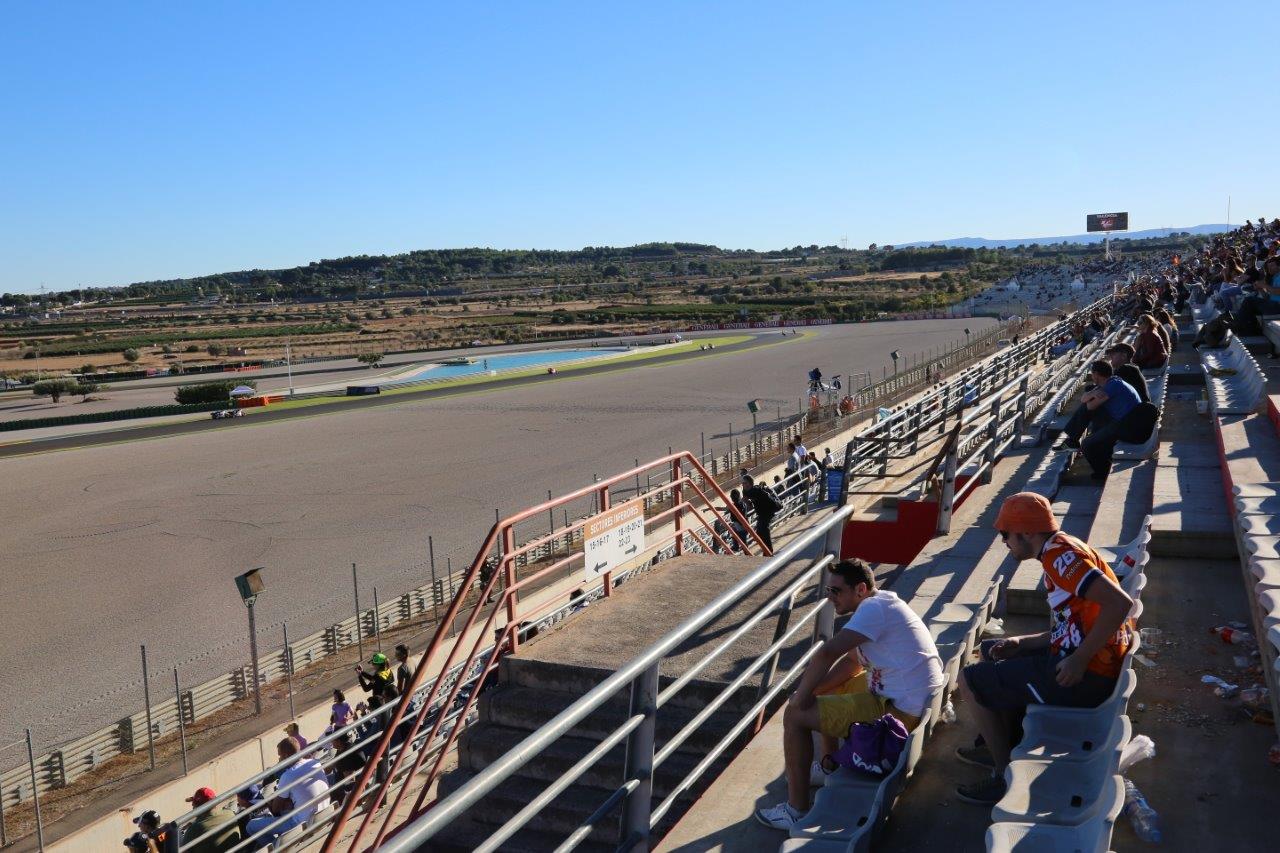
[156, 140]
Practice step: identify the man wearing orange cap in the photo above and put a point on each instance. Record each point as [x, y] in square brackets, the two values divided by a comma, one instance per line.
[1075, 663]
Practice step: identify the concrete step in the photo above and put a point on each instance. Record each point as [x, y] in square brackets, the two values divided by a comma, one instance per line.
[463, 836]
[1189, 510]
[526, 709]
[574, 678]
[563, 815]
[482, 744]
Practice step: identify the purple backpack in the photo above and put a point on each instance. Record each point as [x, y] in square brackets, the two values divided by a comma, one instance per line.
[873, 748]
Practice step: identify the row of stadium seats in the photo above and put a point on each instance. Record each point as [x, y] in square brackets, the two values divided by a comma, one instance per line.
[1258, 530]
[1233, 379]
[1064, 791]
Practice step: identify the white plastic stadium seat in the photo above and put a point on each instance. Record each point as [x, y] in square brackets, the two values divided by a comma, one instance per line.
[1067, 793]
[1068, 742]
[1266, 573]
[1256, 490]
[1092, 836]
[1099, 717]
[850, 806]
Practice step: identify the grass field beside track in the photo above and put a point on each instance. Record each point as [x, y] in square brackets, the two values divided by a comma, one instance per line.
[484, 378]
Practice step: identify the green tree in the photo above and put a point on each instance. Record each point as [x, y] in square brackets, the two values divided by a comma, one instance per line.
[85, 388]
[215, 350]
[130, 355]
[54, 388]
[370, 358]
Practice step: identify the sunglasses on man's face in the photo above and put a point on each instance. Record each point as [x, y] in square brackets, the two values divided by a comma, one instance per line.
[835, 590]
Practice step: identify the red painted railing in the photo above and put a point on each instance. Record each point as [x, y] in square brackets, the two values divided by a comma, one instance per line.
[689, 492]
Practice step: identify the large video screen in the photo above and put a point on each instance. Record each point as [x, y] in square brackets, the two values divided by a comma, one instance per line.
[1107, 222]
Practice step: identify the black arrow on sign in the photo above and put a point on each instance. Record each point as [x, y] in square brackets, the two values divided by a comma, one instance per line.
[600, 566]
[632, 549]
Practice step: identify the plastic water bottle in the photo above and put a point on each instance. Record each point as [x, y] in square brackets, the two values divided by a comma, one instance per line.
[1234, 636]
[1145, 820]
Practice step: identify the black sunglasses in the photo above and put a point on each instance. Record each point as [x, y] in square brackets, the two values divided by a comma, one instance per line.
[1004, 536]
[835, 590]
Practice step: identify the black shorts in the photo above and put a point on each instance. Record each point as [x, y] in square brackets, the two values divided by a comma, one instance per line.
[1010, 685]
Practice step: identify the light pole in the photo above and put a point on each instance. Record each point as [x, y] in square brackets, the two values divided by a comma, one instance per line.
[288, 365]
[251, 585]
[895, 355]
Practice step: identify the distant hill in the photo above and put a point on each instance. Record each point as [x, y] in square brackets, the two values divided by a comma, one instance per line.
[984, 243]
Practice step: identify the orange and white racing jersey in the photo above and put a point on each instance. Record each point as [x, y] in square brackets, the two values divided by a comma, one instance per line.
[1069, 567]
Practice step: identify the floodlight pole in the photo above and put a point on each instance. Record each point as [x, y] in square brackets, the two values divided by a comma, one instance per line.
[288, 365]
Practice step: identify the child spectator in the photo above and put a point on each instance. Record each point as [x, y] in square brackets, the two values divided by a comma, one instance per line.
[341, 709]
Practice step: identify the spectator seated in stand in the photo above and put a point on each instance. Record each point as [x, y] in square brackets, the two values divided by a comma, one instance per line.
[1112, 411]
[1264, 301]
[221, 828]
[1074, 664]
[1151, 350]
[883, 661]
[1121, 358]
[304, 781]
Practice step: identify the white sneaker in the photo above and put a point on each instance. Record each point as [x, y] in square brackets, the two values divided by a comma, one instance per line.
[781, 816]
[817, 775]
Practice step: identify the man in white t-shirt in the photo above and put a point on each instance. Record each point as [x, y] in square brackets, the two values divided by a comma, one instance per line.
[883, 661]
[302, 782]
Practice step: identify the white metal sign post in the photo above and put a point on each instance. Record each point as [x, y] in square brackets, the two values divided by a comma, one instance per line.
[613, 537]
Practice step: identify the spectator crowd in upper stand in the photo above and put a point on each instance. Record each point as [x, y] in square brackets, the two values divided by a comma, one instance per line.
[1043, 290]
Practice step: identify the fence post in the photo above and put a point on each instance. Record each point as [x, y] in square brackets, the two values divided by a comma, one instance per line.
[146, 696]
[377, 619]
[677, 496]
[35, 790]
[355, 586]
[634, 834]
[948, 487]
[182, 723]
[437, 588]
[993, 436]
[1024, 389]
[288, 669]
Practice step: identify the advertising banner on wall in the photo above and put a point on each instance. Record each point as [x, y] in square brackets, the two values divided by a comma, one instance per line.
[1107, 222]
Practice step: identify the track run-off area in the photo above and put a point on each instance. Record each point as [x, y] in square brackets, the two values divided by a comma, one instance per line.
[135, 539]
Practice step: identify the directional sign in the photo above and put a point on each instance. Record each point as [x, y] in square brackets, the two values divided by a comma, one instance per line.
[613, 537]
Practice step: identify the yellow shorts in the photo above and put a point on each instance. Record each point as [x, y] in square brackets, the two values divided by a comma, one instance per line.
[854, 703]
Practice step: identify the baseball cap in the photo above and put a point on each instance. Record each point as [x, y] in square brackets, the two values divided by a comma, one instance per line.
[201, 796]
[378, 658]
[1026, 512]
[150, 815]
[251, 793]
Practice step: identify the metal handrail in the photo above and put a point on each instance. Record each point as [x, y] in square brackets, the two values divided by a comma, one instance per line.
[413, 835]
[508, 638]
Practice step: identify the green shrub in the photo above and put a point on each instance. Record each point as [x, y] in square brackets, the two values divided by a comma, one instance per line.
[193, 348]
[130, 355]
[55, 388]
[208, 392]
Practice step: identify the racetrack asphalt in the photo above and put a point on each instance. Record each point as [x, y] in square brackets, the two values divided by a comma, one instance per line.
[117, 544]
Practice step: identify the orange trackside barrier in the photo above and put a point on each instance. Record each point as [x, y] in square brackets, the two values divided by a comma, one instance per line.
[682, 499]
